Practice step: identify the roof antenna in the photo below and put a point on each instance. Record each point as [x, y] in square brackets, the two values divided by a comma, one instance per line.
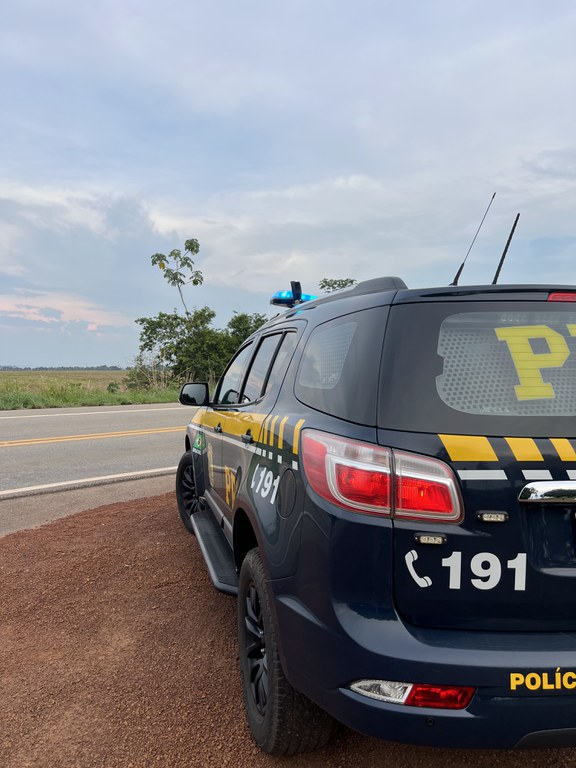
[455, 281]
[510, 236]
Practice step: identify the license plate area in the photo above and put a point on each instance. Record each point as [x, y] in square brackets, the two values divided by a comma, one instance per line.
[550, 534]
[549, 521]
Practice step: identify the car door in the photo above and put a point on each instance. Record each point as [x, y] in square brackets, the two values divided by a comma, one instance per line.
[216, 421]
[243, 423]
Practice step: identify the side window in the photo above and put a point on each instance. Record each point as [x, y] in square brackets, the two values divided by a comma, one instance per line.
[254, 386]
[282, 359]
[229, 388]
[269, 364]
[339, 370]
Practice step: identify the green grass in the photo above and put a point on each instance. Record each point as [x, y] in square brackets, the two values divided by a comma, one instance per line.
[58, 389]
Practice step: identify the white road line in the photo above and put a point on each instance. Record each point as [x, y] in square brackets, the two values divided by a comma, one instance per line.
[89, 413]
[88, 481]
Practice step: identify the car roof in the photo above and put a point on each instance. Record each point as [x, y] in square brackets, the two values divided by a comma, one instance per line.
[382, 291]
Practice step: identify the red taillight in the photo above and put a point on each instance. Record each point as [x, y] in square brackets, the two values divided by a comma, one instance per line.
[351, 474]
[363, 485]
[416, 694]
[439, 696]
[423, 495]
[425, 489]
[559, 296]
[360, 477]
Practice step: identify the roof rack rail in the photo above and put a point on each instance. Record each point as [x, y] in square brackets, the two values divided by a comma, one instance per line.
[377, 284]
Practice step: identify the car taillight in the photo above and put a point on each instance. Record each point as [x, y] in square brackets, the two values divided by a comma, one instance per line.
[425, 489]
[559, 296]
[351, 474]
[440, 696]
[373, 480]
[416, 694]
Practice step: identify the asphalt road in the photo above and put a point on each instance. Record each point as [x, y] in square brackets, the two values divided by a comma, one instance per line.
[57, 448]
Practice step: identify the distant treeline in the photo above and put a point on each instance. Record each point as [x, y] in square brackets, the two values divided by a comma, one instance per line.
[64, 368]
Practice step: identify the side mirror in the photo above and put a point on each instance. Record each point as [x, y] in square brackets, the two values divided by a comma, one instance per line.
[194, 394]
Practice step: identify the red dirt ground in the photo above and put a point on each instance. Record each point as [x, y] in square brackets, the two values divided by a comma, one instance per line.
[116, 651]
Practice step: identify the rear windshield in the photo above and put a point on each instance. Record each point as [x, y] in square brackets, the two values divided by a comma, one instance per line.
[480, 368]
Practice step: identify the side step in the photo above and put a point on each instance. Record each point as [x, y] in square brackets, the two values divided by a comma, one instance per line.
[216, 551]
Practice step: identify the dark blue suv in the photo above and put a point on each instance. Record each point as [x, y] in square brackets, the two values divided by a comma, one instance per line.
[387, 480]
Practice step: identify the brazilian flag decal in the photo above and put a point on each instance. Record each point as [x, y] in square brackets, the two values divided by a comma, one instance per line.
[200, 443]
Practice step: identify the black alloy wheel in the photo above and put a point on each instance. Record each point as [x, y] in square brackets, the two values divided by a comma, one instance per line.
[256, 659]
[186, 495]
[282, 721]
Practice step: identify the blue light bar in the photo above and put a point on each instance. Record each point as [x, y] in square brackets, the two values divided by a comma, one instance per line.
[286, 298]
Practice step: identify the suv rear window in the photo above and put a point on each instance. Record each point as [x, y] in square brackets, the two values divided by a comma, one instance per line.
[481, 368]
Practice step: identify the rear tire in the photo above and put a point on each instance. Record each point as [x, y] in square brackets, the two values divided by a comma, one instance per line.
[282, 721]
[186, 495]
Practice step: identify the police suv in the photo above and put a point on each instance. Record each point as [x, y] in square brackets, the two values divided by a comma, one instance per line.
[387, 480]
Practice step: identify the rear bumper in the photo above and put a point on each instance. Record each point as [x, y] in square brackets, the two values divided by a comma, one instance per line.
[322, 658]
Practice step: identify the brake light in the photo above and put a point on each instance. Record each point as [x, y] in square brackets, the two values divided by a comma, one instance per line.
[558, 296]
[425, 489]
[439, 696]
[351, 474]
[373, 480]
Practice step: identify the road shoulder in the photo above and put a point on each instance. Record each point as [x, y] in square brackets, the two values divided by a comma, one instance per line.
[25, 512]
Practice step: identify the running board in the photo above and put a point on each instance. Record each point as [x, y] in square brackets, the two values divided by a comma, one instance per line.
[216, 551]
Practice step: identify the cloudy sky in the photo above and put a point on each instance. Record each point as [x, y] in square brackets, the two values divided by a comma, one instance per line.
[295, 140]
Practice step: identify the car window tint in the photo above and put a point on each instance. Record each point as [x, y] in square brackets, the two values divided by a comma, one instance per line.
[283, 357]
[229, 388]
[254, 386]
[338, 372]
[480, 368]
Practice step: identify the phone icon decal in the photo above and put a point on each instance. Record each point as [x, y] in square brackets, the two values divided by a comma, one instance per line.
[410, 558]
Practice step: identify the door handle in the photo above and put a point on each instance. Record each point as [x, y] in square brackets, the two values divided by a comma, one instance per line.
[247, 438]
[218, 428]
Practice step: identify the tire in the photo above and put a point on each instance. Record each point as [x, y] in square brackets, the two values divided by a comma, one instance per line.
[186, 491]
[281, 720]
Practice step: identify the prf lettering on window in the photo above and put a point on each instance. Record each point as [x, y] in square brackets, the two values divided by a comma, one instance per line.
[528, 363]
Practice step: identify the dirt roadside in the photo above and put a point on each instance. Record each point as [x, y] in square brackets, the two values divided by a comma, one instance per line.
[117, 652]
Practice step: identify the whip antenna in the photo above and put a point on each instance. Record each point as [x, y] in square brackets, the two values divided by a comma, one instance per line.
[510, 236]
[455, 281]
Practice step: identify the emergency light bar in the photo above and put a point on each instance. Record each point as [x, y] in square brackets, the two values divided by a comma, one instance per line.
[291, 298]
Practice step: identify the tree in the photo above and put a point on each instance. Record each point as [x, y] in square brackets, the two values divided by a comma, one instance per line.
[240, 326]
[190, 347]
[328, 285]
[187, 346]
[174, 267]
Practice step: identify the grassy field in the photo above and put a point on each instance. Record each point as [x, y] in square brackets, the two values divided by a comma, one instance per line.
[57, 389]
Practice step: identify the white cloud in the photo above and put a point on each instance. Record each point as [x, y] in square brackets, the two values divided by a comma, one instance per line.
[295, 141]
[57, 208]
[46, 308]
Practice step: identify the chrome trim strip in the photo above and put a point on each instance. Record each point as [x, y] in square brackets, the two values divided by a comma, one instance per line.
[551, 492]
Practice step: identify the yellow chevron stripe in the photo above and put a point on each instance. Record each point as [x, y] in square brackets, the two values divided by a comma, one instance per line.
[524, 449]
[563, 448]
[264, 435]
[297, 429]
[468, 448]
[281, 433]
[272, 427]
